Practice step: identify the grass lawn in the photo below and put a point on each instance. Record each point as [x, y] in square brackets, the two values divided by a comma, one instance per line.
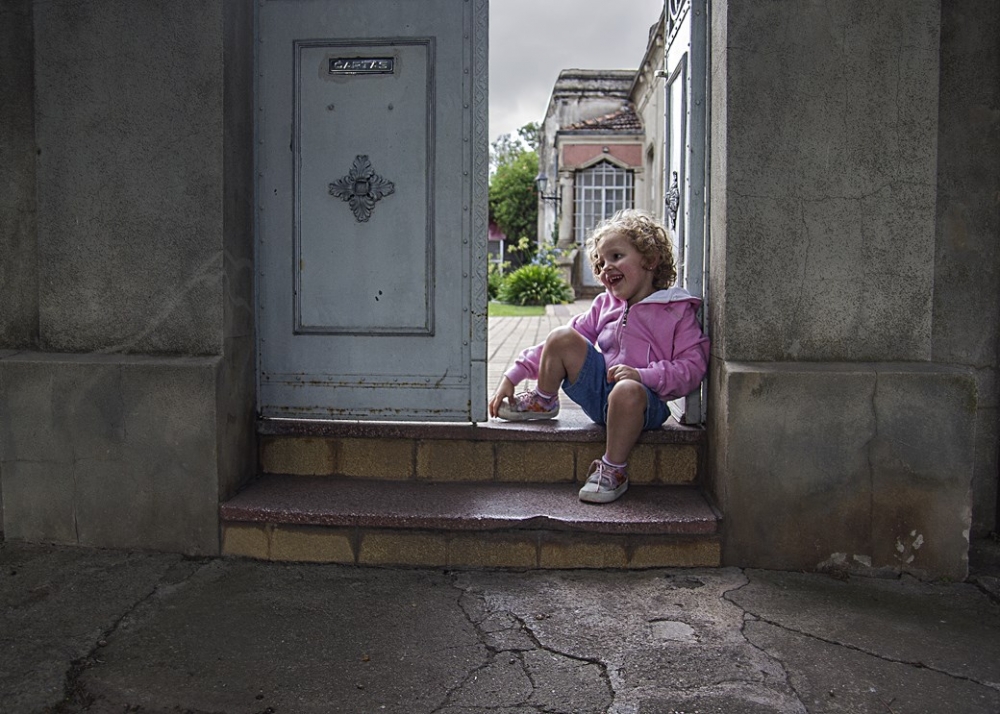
[499, 309]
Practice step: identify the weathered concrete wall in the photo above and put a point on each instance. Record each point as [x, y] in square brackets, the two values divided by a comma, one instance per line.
[236, 397]
[130, 175]
[831, 182]
[18, 261]
[18, 254]
[133, 414]
[108, 451]
[966, 305]
[649, 99]
[844, 465]
[824, 274]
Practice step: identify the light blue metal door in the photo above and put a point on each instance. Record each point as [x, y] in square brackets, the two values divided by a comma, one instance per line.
[372, 217]
[686, 63]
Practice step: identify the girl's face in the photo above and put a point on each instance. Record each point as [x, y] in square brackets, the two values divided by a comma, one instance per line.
[623, 271]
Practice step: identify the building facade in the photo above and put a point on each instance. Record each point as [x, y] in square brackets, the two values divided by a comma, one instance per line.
[601, 150]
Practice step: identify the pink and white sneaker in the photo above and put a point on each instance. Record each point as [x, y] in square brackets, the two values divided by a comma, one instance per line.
[528, 406]
[604, 483]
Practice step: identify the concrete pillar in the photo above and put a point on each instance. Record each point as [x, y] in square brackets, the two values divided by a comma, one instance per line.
[566, 240]
[127, 412]
[966, 303]
[837, 439]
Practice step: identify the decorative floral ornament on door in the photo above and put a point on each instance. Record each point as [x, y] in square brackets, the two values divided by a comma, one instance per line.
[362, 188]
[673, 201]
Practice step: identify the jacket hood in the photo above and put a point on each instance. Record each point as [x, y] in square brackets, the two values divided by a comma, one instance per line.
[673, 294]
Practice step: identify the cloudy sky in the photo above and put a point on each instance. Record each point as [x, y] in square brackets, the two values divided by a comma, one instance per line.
[532, 40]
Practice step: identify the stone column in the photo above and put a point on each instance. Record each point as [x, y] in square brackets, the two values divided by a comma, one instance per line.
[966, 303]
[130, 414]
[566, 242]
[837, 440]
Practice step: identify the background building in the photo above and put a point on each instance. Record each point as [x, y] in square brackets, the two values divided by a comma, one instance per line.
[601, 151]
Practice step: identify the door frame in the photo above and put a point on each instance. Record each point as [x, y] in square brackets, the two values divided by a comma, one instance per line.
[692, 210]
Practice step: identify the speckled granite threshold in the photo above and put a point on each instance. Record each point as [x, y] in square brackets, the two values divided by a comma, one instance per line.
[363, 503]
[570, 425]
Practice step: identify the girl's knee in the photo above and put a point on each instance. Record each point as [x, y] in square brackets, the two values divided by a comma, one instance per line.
[565, 337]
[561, 333]
[629, 394]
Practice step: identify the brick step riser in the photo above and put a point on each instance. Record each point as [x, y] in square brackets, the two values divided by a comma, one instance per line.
[459, 460]
[522, 549]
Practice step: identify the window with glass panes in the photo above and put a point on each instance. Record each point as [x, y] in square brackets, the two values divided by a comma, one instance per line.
[600, 191]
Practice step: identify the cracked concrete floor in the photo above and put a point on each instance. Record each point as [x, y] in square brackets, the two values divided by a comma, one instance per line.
[103, 631]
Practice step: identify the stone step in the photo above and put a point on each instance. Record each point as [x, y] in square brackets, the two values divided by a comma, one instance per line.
[379, 522]
[551, 451]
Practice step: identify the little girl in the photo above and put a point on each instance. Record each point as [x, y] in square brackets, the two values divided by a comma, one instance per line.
[637, 346]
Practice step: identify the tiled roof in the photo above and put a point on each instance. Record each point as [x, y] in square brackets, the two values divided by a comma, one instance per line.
[623, 120]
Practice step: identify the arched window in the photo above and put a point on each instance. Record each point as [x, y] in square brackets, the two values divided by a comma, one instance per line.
[600, 191]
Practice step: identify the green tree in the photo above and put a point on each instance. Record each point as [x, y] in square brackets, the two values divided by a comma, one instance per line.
[514, 201]
[507, 147]
[531, 134]
[504, 150]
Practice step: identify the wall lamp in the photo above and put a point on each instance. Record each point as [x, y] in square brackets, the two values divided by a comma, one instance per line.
[541, 181]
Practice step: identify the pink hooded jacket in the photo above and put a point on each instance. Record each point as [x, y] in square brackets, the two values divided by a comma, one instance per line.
[659, 336]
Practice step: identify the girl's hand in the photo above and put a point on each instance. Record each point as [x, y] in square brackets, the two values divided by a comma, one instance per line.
[504, 391]
[620, 372]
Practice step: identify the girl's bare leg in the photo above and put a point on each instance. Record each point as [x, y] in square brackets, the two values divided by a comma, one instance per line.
[626, 415]
[563, 355]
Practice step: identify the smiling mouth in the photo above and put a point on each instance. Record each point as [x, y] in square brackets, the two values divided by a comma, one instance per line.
[614, 279]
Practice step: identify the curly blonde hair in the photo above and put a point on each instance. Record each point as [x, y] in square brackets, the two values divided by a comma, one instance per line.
[650, 238]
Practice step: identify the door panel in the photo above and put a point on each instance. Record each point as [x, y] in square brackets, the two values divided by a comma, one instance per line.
[341, 260]
[687, 157]
[372, 227]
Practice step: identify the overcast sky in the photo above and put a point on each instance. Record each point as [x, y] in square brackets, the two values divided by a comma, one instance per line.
[531, 41]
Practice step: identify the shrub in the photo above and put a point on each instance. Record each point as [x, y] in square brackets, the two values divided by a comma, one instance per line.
[494, 280]
[534, 285]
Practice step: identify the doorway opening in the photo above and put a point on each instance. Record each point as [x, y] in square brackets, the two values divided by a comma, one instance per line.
[603, 138]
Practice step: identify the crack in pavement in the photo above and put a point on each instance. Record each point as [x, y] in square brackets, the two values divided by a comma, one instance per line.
[551, 650]
[747, 615]
[493, 653]
[75, 693]
[757, 617]
[885, 658]
[519, 626]
[750, 617]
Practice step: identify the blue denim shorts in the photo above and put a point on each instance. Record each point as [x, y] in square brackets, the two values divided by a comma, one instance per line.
[591, 390]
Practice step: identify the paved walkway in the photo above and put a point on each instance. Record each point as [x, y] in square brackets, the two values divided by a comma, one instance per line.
[105, 632]
[509, 335]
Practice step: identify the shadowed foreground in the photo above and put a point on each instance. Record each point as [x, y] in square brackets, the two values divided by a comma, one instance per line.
[105, 631]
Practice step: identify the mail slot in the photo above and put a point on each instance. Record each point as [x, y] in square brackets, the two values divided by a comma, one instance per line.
[362, 65]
